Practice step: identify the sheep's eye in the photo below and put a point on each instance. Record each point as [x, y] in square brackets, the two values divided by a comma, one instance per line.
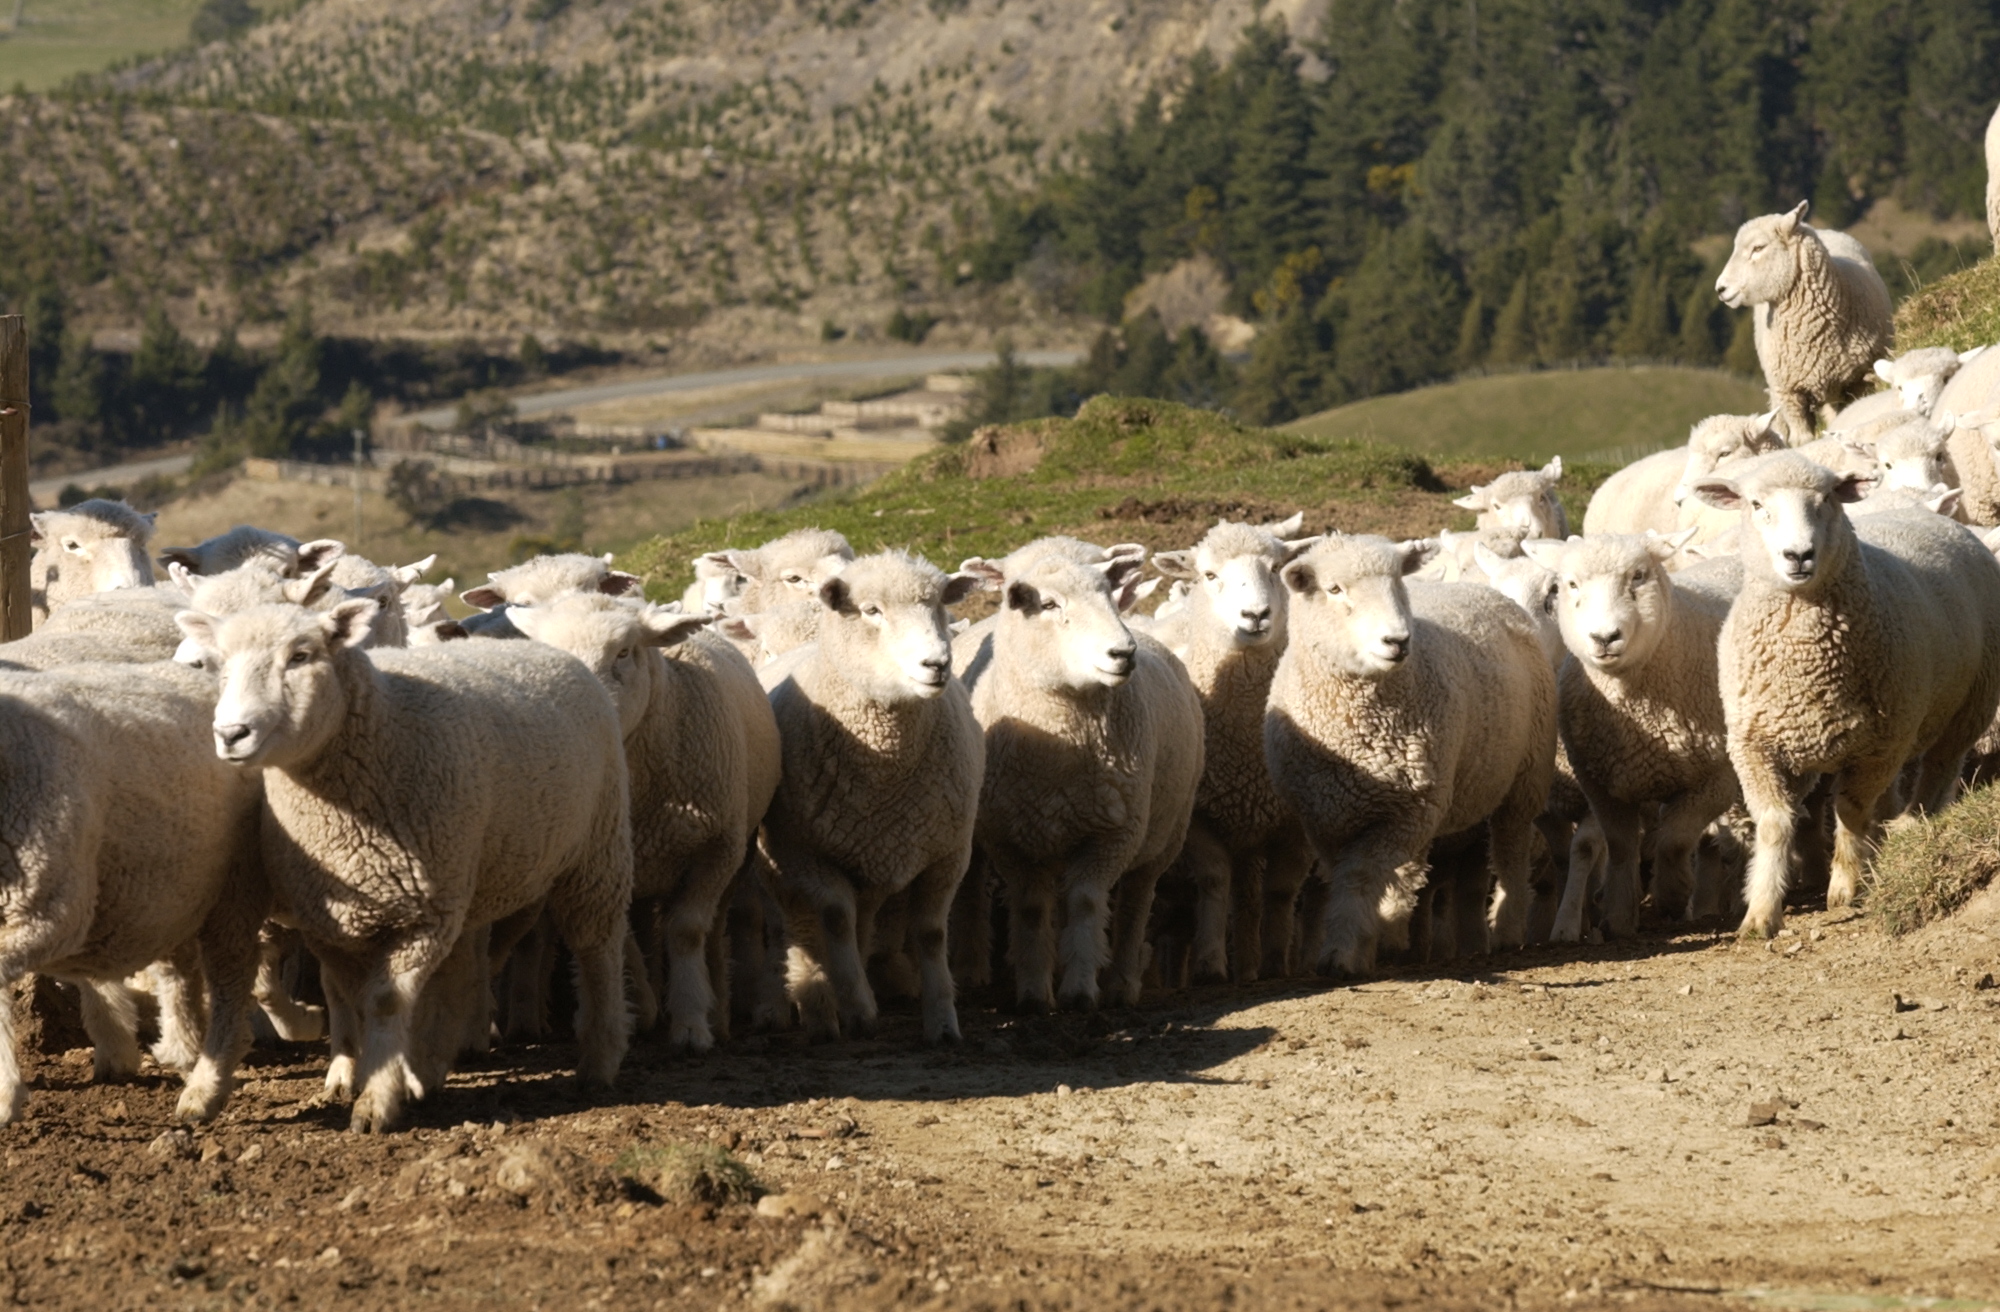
[871, 611]
[625, 654]
[1638, 577]
[1570, 584]
[795, 578]
[71, 544]
[300, 657]
[1208, 574]
[1333, 589]
[1048, 605]
[1756, 505]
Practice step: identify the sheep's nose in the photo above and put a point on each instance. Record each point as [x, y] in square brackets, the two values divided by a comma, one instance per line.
[1799, 560]
[1258, 616]
[1396, 645]
[231, 734]
[1605, 641]
[1123, 654]
[936, 664]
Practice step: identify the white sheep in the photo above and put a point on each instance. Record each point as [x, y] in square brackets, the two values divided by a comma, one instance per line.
[1457, 557]
[1401, 713]
[413, 797]
[239, 546]
[1641, 712]
[788, 568]
[1993, 179]
[1524, 498]
[689, 753]
[716, 584]
[424, 613]
[1855, 647]
[126, 626]
[1821, 313]
[1244, 851]
[882, 773]
[94, 546]
[542, 579]
[127, 843]
[1094, 744]
[1909, 447]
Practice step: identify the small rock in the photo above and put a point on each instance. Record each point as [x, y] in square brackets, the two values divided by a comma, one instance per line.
[1936, 1004]
[1802, 1123]
[175, 1144]
[456, 1188]
[531, 1168]
[1064, 1091]
[789, 1207]
[329, 1254]
[1770, 1139]
[1985, 982]
[1764, 1113]
[842, 1127]
[356, 1200]
[1898, 1004]
[1658, 1075]
[213, 1152]
[836, 1163]
[251, 1155]
[116, 1112]
[1687, 990]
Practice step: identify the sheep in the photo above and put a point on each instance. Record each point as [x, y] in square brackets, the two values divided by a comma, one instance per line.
[1854, 647]
[241, 545]
[688, 753]
[787, 568]
[1094, 751]
[1914, 381]
[1640, 711]
[411, 798]
[541, 579]
[94, 546]
[1993, 179]
[127, 842]
[882, 773]
[1524, 499]
[1822, 315]
[764, 636]
[1970, 465]
[424, 613]
[1976, 385]
[126, 626]
[1401, 713]
[1242, 847]
[716, 584]
[1909, 448]
[1457, 552]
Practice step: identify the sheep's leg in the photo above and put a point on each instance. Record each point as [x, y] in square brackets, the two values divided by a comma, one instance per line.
[177, 991]
[290, 1020]
[472, 1030]
[1795, 415]
[1361, 874]
[592, 924]
[528, 968]
[1620, 823]
[690, 916]
[1771, 797]
[718, 947]
[972, 926]
[1510, 840]
[1433, 935]
[850, 933]
[1309, 926]
[1031, 932]
[893, 970]
[1083, 948]
[1474, 904]
[1247, 878]
[342, 980]
[639, 980]
[111, 1018]
[228, 961]
[13, 1092]
[1128, 939]
[748, 937]
[388, 1001]
[931, 896]
[1856, 792]
[1287, 862]
[1204, 863]
[771, 1009]
[1588, 858]
[1682, 823]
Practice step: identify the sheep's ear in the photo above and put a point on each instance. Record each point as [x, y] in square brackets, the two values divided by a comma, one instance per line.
[1665, 546]
[1417, 553]
[415, 570]
[180, 576]
[483, 597]
[152, 518]
[1120, 569]
[447, 585]
[1024, 598]
[1944, 501]
[832, 563]
[197, 628]
[1300, 577]
[1284, 528]
[1125, 550]
[837, 596]
[185, 557]
[1789, 222]
[606, 557]
[617, 583]
[1967, 357]
[308, 590]
[738, 628]
[526, 620]
[1553, 471]
[347, 624]
[38, 529]
[449, 631]
[1132, 591]
[318, 552]
[718, 561]
[957, 587]
[665, 628]
[1473, 500]
[1885, 370]
[1175, 564]
[1546, 552]
[988, 572]
[1294, 547]
[746, 563]
[957, 627]
[1721, 493]
[1855, 487]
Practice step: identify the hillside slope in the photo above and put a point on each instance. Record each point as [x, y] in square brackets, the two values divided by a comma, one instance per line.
[1961, 311]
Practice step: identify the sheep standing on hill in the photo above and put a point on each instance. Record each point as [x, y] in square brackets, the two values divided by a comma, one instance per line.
[1402, 713]
[882, 771]
[1093, 755]
[94, 546]
[1856, 647]
[1244, 850]
[698, 793]
[1641, 712]
[126, 842]
[1822, 315]
[1522, 499]
[412, 798]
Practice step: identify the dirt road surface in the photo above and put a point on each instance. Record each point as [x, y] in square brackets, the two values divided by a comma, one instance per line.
[1681, 1122]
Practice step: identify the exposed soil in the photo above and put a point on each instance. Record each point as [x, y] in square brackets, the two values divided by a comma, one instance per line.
[1554, 1128]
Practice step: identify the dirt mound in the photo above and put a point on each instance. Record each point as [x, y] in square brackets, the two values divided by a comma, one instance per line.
[1005, 450]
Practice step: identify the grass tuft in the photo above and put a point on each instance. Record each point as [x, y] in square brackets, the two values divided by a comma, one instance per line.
[1962, 311]
[1929, 869]
[689, 1173]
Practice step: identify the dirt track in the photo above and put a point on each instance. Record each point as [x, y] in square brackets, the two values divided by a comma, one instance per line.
[1556, 1128]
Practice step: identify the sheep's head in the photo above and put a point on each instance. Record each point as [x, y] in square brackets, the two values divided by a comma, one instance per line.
[716, 581]
[785, 568]
[1919, 376]
[423, 604]
[94, 546]
[1613, 597]
[1233, 570]
[280, 699]
[1722, 439]
[547, 577]
[1530, 585]
[1523, 499]
[884, 629]
[1060, 619]
[1794, 509]
[245, 543]
[610, 635]
[1350, 602]
[1912, 454]
[1764, 264]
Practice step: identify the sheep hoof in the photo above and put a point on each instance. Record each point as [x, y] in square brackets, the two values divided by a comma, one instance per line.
[373, 1115]
[691, 1038]
[1206, 975]
[201, 1101]
[1084, 1002]
[1033, 1006]
[13, 1104]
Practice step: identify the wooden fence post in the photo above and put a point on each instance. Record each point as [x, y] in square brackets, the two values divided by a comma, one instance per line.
[15, 616]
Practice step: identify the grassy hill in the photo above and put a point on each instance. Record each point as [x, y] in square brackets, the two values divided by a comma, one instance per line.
[1121, 470]
[1961, 311]
[1603, 415]
[58, 39]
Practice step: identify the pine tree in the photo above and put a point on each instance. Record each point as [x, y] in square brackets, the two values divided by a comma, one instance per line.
[1471, 351]
[82, 383]
[1513, 335]
[1741, 358]
[286, 400]
[1266, 192]
[168, 380]
[1287, 373]
[1696, 344]
[1647, 333]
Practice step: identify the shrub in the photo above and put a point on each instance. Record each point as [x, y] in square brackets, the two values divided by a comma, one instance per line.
[689, 1173]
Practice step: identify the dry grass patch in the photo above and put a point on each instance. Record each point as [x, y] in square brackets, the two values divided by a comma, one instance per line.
[689, 1174]
[1929, 869]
